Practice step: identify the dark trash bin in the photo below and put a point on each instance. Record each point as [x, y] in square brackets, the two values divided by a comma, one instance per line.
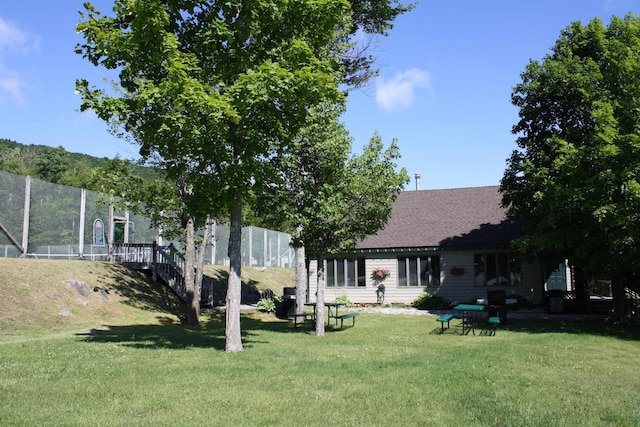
[498, 297]
[288, 301]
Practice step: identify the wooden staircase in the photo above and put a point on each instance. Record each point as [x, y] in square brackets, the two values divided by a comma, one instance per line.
[165, 263]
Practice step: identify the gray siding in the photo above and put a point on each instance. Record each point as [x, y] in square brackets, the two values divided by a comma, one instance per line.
[453, 287]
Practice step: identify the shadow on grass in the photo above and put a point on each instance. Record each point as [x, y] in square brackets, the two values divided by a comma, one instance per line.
[141, 292]
[456, 329]
[596, 327]
[211, 334]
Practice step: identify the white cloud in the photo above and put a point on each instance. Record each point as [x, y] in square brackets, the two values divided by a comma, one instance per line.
[399, 92]
[13, 40]
[10, 87]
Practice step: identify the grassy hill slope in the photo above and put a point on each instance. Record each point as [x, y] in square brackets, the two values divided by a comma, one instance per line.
[43, 295]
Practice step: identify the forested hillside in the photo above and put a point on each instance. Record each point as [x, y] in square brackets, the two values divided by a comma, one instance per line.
[59, 166]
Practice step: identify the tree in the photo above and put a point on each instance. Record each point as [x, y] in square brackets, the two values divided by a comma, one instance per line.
[212, 90]
[78, 174]
[332, 198]
[321, 149]
[52, 163]
[353, 204]
[14, 160]
[574, 183]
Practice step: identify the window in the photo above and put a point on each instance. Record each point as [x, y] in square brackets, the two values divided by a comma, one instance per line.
[341, 272]
[497, 269]
[419, 271]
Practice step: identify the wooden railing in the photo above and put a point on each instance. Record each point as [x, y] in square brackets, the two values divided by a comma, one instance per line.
[138, 256]
[169, 267]
[165, 263]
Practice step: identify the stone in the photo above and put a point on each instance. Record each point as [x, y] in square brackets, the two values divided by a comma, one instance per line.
[79, 286]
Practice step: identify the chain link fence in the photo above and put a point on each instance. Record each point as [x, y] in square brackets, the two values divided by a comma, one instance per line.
[43, 220]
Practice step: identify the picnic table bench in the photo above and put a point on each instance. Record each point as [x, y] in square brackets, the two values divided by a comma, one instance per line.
[444, 318]
[351, 315]
[332, 310]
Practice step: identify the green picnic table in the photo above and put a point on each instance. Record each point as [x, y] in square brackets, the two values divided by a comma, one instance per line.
[469, 316]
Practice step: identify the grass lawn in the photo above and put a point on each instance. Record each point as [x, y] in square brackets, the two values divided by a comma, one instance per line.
[133, 364]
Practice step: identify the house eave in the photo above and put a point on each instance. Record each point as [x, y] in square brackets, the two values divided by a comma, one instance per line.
[423, 249]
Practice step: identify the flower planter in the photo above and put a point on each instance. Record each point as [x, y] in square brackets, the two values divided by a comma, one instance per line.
[457, 271]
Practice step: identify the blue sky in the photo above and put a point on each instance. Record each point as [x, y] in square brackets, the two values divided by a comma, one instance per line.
[446, 74]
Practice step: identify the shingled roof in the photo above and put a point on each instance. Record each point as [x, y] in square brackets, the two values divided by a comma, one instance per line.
[453, 218]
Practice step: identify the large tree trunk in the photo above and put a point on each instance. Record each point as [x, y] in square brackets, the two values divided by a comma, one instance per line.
[301, 280]
[234, 287]
[193, 290]
[320, 298]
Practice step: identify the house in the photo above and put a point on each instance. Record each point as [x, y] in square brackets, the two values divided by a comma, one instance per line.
[453, 242]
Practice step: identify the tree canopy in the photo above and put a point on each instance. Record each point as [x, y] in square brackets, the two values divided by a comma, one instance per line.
[574, 182]
[205, 84]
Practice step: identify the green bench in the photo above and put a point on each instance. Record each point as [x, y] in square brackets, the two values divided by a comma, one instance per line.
[494, 322]
[352, 315]
[442, 319]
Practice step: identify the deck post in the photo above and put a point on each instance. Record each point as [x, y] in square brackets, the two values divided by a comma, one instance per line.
[154, 262]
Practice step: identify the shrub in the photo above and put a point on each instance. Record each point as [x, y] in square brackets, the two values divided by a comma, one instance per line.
[269, 305]
[342, 299]
[427, 301]
[266, 305]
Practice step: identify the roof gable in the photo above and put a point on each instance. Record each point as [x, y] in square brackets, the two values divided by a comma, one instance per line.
[460, 217]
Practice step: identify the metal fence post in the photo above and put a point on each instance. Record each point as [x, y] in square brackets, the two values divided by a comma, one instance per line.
[83, 206]
[27, 207]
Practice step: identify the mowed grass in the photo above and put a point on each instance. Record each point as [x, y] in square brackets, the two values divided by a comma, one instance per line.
[388, 370]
